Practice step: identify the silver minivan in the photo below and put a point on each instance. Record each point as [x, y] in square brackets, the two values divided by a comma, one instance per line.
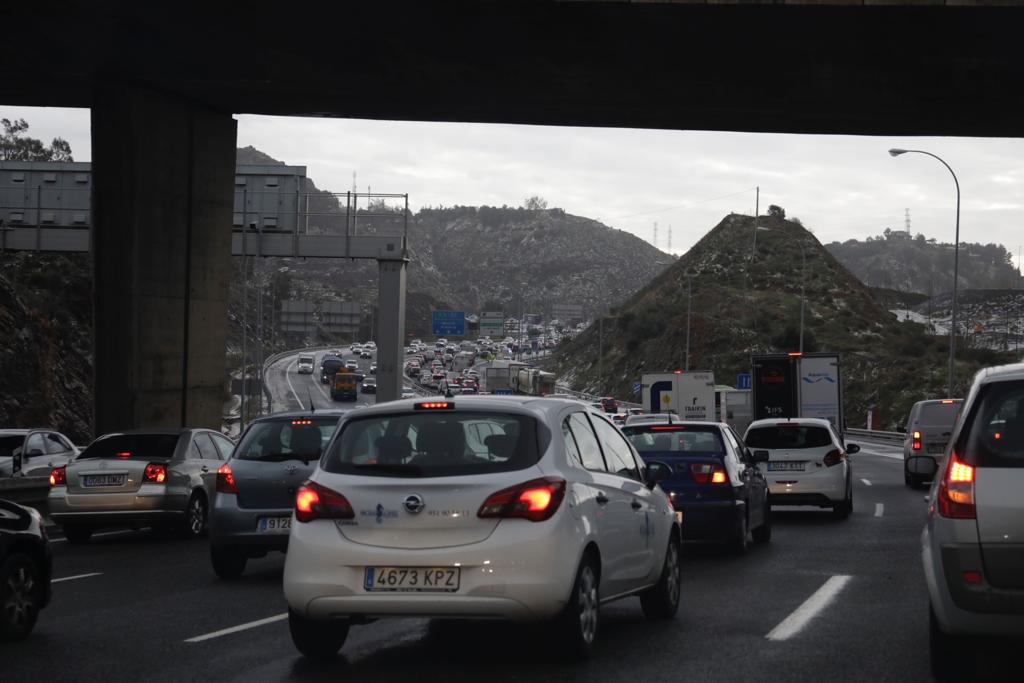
[929, 428]
[973, 543]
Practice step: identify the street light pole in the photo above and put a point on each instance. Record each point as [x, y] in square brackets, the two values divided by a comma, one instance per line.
[956, 260]
[689, 301]
[803, 281]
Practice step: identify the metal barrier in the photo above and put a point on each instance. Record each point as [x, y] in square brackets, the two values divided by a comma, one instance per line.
[888, 437]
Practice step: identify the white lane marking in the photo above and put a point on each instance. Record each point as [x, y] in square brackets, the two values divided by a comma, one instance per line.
[76, 576]
[890, 456]
[236, 629]
[812, 606]
[288, 376]
[105, 533]
[879, 509]
[866, 482]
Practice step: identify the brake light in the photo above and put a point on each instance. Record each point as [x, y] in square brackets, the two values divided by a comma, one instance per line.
[226, 480]
[123, 454]
[972, 577]
[956, 490]
[947, 401]
[917, 441]
[302, 422]
[535, 500]
[833, 457]
[155, 473]
[668, 428]
[435, 405]
[794, 354]
[708, 473]
[313, 501]
[58, 476]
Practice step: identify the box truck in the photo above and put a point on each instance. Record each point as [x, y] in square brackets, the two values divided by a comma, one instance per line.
[690, 395]
[798, 385]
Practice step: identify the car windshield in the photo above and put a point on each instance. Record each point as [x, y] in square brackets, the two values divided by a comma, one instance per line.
[788, 436]
[939, 414]
[287, 439]
[305, 360]
[675, 439]
[435, 444]
[996, 436]
[132, 447]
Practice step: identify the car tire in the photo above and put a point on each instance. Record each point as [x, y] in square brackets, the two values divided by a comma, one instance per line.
[909, 481]
[763, 533]
[578, 625]
[740, 540]
[77, 534]
[661, 601]
[194, 524]
[950, 659]
[317, 639]
[228, 564]
[844, 508]
[20, 596]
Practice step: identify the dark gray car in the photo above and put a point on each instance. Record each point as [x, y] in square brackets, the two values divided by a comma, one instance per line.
[252, 511]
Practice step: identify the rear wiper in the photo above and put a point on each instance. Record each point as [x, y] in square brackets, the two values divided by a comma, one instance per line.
[395, 468]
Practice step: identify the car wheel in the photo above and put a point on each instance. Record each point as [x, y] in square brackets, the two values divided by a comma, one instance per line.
[909, 481]
[227, 563]
[579, 623]
[662, 600]
[20, 596]
[318, 639]
[77, 534]
[763, 533]
[194, 524]
[950, 659]
[844, 508]
[740, 540]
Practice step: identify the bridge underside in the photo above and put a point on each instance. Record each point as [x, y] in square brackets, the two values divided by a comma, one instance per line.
[163, 80]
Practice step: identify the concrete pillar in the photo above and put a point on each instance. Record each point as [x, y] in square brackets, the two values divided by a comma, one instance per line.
[391, 328]
[163, 181]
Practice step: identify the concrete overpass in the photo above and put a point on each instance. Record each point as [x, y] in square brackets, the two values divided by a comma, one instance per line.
[163, 79]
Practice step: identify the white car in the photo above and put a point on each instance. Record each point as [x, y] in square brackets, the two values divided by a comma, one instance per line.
[807, 462]
[305, 365]
[522, 508]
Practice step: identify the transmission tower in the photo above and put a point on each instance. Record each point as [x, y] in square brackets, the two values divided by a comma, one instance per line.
[655, 234]
[906, 220]
[668, 248]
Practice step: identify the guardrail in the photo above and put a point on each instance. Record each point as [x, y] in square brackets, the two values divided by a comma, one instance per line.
[562, 389]
[25, 490]
[890, 437]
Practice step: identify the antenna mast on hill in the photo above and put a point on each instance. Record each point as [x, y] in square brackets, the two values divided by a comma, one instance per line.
[655, 235]
[906, 220]
[669, 247]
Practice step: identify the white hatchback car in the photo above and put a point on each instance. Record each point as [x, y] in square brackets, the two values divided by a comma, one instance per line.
[807, 462]
[520, 508]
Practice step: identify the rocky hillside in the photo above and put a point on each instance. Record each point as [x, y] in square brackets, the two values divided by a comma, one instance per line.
[743, 305]
[896, 261]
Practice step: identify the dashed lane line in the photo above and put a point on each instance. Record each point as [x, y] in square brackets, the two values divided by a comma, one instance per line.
[880, 454]
[235, 629]
[865, 482]
[288, 377]
[879, 509]
[76, 576]
[812, 607]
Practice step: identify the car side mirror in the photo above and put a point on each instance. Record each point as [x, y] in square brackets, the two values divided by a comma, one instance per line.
[656, 472]
[759, 456]
[852, 448]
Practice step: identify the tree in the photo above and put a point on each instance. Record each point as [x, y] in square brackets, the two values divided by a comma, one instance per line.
[776, 211]
[535, 203]
[16, 146]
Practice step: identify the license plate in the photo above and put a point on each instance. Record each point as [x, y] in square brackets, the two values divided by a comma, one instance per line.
[679, 516]
[419, 579]
[90, 480]
[274, 525]
[785, 466]
[936, 447]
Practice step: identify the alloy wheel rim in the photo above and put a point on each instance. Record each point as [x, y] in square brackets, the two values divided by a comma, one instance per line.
[588, 605]
[674, 573]
[20, 601]
[196, 516]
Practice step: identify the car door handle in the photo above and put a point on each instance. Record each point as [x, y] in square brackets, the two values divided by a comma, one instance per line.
[636, 504]
[602, 499]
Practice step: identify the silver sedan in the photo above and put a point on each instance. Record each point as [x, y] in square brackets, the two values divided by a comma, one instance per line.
[163, 478]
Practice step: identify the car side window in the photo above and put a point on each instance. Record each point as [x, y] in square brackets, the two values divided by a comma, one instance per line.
[224, 445]
[207, 451]
[616, 450]
[734, 441]
[586, 443]
[34, 443]
[54, 445]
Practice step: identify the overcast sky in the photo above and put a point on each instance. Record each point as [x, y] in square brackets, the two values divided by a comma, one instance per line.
[841, 187]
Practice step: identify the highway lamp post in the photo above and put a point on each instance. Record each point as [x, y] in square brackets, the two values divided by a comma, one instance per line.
[689, 309]
[956, 259]
[803, 281]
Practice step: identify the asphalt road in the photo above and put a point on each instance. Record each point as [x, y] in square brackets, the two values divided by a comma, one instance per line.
[129, 606]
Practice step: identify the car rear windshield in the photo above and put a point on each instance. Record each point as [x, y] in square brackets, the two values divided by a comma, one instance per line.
[435, 444]
[678, 439]
[996, 437]
[295, 438]
[788, 436]
[132, 447]
[938, 414]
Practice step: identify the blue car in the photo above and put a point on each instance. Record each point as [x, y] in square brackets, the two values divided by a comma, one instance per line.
[715, 485]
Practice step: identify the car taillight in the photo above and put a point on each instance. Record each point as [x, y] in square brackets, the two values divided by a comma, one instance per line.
[833, 457]
[956, 490]
[58, 476]
[155, 473]
[226, 480]
[535, 500]
[917, 441]
[707, 473]
[313, 501]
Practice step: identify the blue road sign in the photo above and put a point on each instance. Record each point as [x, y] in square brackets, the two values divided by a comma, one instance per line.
[448, 323]
[636, 388]
[743, 380]
[503, 391]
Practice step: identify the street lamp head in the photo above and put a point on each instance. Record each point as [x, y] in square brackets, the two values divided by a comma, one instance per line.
[896, 152]
[761, 228]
